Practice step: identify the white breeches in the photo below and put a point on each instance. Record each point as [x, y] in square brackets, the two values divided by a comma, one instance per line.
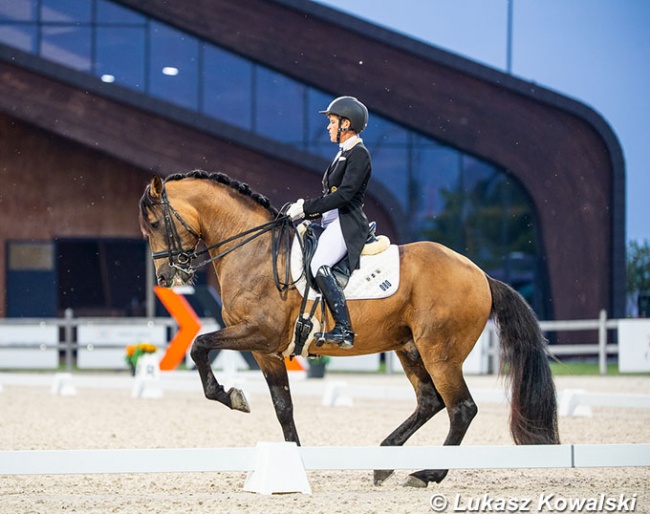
[331, 245]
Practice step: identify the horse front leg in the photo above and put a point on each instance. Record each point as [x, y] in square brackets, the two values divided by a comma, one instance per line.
[238, 337]
[277, 378]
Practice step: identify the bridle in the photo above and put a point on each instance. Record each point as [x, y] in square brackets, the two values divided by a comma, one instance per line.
[184, 260]
[179, 258]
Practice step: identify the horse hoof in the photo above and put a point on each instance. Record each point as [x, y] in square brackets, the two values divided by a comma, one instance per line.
[412, 481]
[238, 401]
[381, 475]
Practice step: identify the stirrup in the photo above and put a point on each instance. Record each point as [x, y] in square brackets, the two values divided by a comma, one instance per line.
[342, 337]
[346, 345]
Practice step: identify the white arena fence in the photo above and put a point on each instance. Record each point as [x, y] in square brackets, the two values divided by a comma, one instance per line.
[99, 343]
[178, 460]
[280, 467]
[335, 390]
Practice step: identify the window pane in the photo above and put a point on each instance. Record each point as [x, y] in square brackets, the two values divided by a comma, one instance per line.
[120, 56]
[67, 45]
[318, 139]
[444, 224]
[433, 167]
[66, 11]
[387, 143]
[482, 213]
[227, 86]
[109, 12]
[18, 10]
[173, 69]
[279, 103]
[22, 37]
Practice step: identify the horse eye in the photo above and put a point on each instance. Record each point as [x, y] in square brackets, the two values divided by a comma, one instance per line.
[155, 224]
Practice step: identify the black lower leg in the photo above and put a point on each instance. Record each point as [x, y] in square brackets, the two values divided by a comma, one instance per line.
[213, 390]
[460, 418]
[275, 373]
[342, 333]
[429, 404]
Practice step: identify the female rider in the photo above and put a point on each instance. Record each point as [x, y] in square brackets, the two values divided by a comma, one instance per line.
[341, 210]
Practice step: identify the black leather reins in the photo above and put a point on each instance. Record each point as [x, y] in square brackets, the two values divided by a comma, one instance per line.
[183, 260]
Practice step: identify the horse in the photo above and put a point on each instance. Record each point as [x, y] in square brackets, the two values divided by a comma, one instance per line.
[431, 322]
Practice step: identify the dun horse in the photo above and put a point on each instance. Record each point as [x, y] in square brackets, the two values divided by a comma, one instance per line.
[432, 321]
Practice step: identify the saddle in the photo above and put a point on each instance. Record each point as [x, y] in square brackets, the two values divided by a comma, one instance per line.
[310, 234]
[307, 325]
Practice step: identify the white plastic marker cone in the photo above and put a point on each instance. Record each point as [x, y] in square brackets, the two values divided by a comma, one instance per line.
[147, 378]
[62, 385]
[334, 395]
[278, 469]
[570, 404]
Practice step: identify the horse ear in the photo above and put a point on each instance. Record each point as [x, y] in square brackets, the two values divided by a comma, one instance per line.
[156, 188]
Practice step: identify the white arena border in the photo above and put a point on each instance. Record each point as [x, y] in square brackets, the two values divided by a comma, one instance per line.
[334, 391]
[180, 460]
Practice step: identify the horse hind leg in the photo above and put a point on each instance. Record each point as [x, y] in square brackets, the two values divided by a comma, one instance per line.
[429, 402]
[448, 377]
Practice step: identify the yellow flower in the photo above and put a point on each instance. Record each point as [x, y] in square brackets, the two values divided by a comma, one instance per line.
[133, 352]
[147, 347]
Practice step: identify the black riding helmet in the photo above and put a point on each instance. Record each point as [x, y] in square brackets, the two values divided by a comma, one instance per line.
[350, 108]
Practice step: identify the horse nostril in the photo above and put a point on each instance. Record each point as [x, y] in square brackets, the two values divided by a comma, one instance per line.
[162, 281]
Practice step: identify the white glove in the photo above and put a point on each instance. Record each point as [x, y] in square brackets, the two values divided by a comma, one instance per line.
[295, 210]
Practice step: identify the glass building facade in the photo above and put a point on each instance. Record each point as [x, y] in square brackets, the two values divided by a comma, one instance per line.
[446, 195]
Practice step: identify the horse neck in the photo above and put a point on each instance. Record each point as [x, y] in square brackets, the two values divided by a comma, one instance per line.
[225, 215]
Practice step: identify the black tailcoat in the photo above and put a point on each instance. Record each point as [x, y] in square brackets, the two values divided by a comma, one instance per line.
[344, 187]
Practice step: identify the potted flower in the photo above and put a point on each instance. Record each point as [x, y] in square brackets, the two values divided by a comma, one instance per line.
[134, 352]
[317, 366]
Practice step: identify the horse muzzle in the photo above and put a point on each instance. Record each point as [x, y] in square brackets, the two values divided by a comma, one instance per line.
[175, 277]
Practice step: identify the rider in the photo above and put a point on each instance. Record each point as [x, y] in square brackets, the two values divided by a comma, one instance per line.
[341, 210]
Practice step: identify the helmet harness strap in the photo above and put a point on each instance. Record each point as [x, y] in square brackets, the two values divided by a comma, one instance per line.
[340, 129]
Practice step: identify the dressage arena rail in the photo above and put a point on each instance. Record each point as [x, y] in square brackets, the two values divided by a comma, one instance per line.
[69, 323]
[181, 460]
[335, 392]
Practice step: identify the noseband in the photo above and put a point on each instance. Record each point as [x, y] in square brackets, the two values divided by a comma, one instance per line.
[183, 260]
[179, 258]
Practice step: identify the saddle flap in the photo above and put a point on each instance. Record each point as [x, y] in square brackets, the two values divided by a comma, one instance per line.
[310, 237]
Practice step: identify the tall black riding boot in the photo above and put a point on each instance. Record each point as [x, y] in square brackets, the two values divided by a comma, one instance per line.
[342, 333]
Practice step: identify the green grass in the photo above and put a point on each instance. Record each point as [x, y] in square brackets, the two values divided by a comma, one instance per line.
[564, 368]
[578, 368]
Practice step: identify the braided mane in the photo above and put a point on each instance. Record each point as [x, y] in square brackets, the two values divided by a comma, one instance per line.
[222, 178]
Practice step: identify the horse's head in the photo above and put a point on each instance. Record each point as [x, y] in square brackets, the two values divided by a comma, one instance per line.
[170, 234]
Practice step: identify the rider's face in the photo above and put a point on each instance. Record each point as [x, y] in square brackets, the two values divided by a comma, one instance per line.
[333, 126]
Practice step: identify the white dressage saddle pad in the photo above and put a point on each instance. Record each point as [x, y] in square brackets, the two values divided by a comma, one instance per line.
[378, 276]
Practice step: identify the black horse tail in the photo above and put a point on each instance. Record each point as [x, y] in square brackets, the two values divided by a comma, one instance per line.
[533, 415]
